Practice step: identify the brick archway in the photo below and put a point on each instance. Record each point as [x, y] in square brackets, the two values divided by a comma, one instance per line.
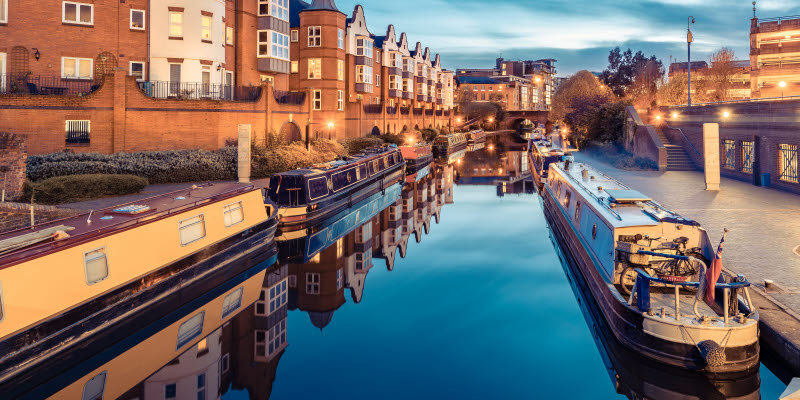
[291, 132]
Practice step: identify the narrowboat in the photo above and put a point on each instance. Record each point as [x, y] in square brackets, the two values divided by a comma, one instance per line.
[65, 279]
[445, 145]
[476, 136]
[542, 153]
[307, 196]
[525, 131]
[645, 267]
[418, 161]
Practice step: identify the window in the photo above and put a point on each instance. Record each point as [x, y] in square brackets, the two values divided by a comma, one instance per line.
[232, 302]
[137, 70]
[94, 388]
[228, 35]
[192, 229]
[176, 24]
[339, 279]
[314, 68]
[292, 280]
[96, 264]
[394, 82]
[340, 248]
[340, 100]
[78, 131]
[190, 329]
[312, 283]
[314, 36]
[364, 260]
[341, 39]
[295, 35]
[279, 9]
[363, 74]
[748, 156]
[294, 67]
[729, 154]
[2, 69]
[201, 386]
[364, 47]
[269, 342]
[340, 69]
[787, 162]
[3, 13]
[280, 46]
[205, 31]
[77, 13]
[277, 296]
[263, 7]
[171, 391]
[76, 68]
[137, 19]
[594, 231]
[378, 80]
[317, 100]
[225, 363]
[577, 211]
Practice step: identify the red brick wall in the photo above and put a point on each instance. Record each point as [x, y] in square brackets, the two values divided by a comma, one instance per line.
[13, 153]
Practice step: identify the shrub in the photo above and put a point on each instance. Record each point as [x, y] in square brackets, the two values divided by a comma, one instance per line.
[72, 188]
[393, 139]
[268, 161]
[354, 145]
[429, 134]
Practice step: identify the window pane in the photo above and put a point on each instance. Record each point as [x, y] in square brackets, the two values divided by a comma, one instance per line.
[232, 302]
[190, 329]
[69, 67]
[85, 68]
[86, 14]
[70, 12]
[94, 387]
[96, 266]
[192, 229]
[137, 19]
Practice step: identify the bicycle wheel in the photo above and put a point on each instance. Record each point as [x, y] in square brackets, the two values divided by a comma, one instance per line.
[627, 279]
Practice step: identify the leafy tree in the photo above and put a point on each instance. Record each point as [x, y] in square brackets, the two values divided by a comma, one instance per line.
[720, 76]
[579, 91]
[633, 75]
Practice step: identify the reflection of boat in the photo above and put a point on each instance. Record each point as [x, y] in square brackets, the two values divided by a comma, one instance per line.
[445, 145]
[113, 365]
[541, 154]
[83, 274]
[609, 231]
[476, 146]
[476, 136]
[453, 157]
[306, 196]
[418, 161]
[638, 377]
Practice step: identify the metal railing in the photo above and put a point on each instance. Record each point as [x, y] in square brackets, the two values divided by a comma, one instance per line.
[283, 97]
[760, 99]
[47, 85]
[405, 110]
[199, 91]
[778, 19]
[373, 108]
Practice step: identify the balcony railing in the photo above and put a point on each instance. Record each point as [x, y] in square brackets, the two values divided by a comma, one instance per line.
[429, 112]
[405, 110]
[199, 91]
[282, 97]
[373, 108]
[391, 110]
[47, 85]
[418, 111]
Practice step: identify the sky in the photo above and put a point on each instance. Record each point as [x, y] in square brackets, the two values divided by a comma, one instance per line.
[577, 33]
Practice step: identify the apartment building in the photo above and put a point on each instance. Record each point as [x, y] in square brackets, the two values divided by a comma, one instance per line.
[530, 85]
[775, 56]
[740, 79]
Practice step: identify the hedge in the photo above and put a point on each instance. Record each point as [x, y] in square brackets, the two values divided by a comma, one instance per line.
[354, 145]
[268, 161]
[68, 189]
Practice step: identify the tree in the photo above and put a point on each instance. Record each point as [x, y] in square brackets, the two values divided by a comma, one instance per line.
[628, 73]
[720, 76]
[577, 92]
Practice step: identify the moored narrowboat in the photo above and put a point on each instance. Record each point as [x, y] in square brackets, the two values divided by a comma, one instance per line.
[82, 274]
[645, 267]
[418, 161]
[541, 153]
[306, 196]
[445, 145]
[476, 136]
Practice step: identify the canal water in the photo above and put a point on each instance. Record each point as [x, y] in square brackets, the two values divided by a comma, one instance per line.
[454, 291]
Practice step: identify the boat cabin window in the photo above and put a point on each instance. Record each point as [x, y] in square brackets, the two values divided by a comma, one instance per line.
[594, 231]
[94, 388]
[2, 309]
[96, 264]
[567, 196]
[558, 189]
[232, 302]
[577, 211]
[190, 329]
[192, 229]
[233, 213]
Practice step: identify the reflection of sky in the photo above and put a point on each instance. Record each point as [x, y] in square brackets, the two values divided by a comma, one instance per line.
[578, 33]
[479, 309]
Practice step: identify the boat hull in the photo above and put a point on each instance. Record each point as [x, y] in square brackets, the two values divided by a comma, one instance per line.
[626, 324]
[446, 151]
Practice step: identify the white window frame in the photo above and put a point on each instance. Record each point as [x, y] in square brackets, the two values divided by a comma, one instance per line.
[316, 99]
[181, 227]
[4, 16]
[260, 43]
[295, 36]
[279, 45]
[3, 62]
[363, 74]
[78, 68]
[210, 19]
[87, 260]
[314, 36]
[228, 308]
[225, 363]
[144, 19]
[265, 3]
[312, 286]
[77, 13]
[340, 38]
[94, 396]
[279, 9]
[340, 69]
[394, 84]
[294, 67]
[277, 296]
[340, 100]
[364, 47]
[171, 24]
[229, 35]
[377, 80]
[130, 70]
[292, 281]
[195, 333]
[339, 279]
[315, 66]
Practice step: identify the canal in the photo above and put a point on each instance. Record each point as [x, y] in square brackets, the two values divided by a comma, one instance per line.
[453, 291]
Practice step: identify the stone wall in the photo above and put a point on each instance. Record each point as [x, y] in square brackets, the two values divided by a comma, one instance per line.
[13, 154]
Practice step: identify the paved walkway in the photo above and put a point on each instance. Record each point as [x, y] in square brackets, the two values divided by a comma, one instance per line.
[764, 223]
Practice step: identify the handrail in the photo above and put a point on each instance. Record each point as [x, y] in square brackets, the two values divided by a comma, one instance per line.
[778, 19]
[687, 139]
[760, 99]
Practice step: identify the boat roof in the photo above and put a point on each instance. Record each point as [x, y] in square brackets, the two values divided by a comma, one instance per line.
[616, 203]
[545, 146]
[35, 241]
[415, 151]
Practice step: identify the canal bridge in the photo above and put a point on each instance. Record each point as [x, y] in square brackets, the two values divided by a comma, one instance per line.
[513, 119]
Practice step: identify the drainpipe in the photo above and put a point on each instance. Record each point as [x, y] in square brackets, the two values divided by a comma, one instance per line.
[147, 32]
[236, 79]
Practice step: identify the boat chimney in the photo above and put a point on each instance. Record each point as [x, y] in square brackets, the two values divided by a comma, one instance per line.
[585, 174]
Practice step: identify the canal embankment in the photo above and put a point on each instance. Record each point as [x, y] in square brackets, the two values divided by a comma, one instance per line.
[760, 245]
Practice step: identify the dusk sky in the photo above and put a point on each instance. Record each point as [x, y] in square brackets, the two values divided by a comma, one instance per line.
[578, 33]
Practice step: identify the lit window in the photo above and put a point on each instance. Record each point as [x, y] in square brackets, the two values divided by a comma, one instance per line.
[96, 264]
[190, 329]
[176, 24]
[364, 47]
[76, 68]
[294, 67]
[314, 68]
[340, 248]
[340, 100]
[137, 70]
[137, 19]
[228, 35]
[317, 100]
[77, 13]
[340, 69]
[294, 35]
[232, 302]
[314, 36]
[205, 32]
[363, 74]
[341, 39]
[312, 283]
[3, 13]
[94, 388]
[192, 229]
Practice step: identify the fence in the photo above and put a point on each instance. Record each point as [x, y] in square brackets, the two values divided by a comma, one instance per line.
[283, 97]
[47, 85]
[199, 91]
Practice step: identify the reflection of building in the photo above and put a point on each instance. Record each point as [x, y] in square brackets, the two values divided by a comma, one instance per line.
[317, 286]
[775, 56]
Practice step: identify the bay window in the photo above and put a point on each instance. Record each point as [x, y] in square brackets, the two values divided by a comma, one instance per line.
[280, 46]
[279, 9]
[340, 69]
[205, 28]
[176, 24]
[363, 74]
[394, 82]
[341, 39]
[364, 47]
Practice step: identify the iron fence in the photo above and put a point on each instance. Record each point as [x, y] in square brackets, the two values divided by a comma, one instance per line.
[283, 97]
[373, 108]
[47, 85]
[199, 91]
[77, 132]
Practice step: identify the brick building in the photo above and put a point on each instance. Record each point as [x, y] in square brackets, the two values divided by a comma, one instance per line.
[106, 76]
[531, 83]
[775, 56]
[739, 76]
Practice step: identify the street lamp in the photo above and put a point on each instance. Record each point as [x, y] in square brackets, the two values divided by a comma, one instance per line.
[726, 114]
[782, 85]
[689, 40]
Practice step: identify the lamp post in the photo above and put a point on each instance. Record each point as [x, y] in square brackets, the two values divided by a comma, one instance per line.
[689, 40]
[782, 85]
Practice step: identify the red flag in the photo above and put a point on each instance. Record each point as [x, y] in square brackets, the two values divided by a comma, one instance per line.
[714, 270]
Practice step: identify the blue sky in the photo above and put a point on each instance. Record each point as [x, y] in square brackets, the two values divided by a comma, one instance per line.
[578, 33]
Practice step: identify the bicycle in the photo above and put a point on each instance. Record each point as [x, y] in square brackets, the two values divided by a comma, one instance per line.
[668, 269]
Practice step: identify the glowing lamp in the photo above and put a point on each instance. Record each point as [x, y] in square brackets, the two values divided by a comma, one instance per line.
[726, 114]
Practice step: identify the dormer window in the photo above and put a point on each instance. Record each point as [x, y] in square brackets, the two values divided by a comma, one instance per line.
[364, 47]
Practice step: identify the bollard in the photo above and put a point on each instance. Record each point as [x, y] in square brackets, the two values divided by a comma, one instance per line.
[244, 153]
[711, 155]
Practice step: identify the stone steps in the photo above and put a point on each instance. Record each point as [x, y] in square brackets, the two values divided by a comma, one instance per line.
[677, 158]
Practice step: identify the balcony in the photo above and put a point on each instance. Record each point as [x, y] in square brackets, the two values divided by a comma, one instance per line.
[439, 85]
[408, 74]
[778, 24]
[364, 87]
[373, 108]
[439, 113]
[408, 95]
[391, 110]
[774, 48]
[422, 97]
[429, 112]
[296, 98]
[430, 82]
[395, 71]
[418, 111]
[439, 101]
[395, 93]
[47, 85]
[199, 91]
[405, 110]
